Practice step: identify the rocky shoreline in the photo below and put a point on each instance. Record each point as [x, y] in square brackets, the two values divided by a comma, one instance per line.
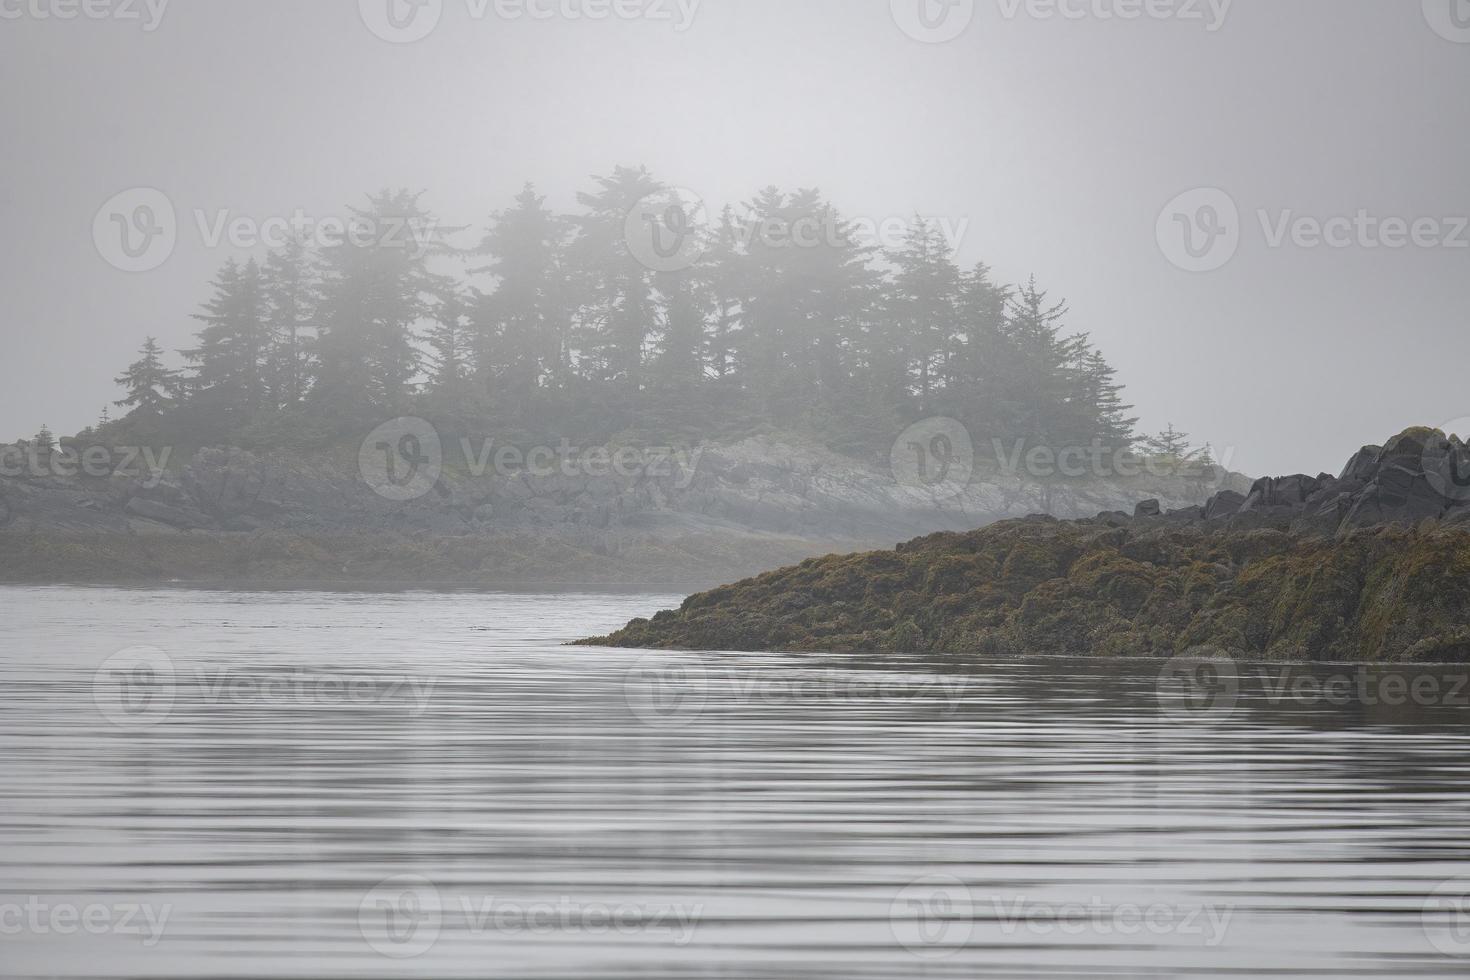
[714, 514]
[1372, 565]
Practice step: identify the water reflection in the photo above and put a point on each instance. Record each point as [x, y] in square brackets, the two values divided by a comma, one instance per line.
[430, 785]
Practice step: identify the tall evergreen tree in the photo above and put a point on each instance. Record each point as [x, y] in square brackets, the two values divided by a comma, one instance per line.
[680, 341]
[1038, 393]
[617, 305]
[523, 328]
[924, 310]
[290, 282]
[721, 277]
[232, 357]
[448, 338]
[376, 288]
[151, 388]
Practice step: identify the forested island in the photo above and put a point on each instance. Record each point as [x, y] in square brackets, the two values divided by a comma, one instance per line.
[761, 364]
[783, 315]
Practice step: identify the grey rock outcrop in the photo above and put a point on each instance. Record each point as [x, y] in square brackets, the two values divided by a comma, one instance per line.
[1420, 474]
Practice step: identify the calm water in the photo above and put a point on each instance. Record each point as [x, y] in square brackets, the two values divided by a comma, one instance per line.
[324, 785]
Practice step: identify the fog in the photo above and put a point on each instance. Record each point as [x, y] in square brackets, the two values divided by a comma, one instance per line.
[1051, 137]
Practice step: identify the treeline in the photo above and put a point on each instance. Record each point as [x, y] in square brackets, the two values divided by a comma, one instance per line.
[558, 325]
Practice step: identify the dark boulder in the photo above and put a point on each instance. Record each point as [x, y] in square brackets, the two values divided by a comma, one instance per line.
[1226, 503]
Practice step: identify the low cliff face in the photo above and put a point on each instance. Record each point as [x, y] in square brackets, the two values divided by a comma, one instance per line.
[1373, 565]
[718, 511]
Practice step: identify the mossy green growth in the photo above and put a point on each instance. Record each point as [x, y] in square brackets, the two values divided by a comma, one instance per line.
[1040, 586]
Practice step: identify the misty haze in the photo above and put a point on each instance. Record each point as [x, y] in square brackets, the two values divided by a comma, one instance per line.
[735, 488]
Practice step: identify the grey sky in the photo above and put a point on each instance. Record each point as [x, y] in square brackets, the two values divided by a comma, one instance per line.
[1058, 139]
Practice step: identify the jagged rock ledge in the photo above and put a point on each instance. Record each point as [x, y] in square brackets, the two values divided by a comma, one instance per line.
[1373, 565]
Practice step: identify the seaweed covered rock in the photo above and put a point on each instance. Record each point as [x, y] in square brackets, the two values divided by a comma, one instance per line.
[1373, 565]
[1027, 588]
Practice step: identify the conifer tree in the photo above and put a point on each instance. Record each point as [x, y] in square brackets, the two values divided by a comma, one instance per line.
[615, 288]
[230, 363]
[151, 388]
[376, 287]
[523, 328]
[1170, 442]
[290, 283]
